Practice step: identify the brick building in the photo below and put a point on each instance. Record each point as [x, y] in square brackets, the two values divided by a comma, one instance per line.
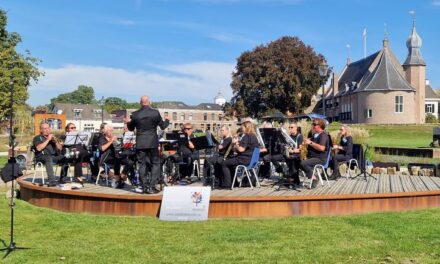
[379, 90]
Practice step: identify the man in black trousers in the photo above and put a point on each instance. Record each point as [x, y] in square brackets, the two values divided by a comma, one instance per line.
[146, 120]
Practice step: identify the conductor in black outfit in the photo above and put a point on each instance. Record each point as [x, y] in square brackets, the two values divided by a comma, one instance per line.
[146, 120]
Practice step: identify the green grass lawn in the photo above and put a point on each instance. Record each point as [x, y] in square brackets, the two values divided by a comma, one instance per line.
[411, 136]
[410, 237]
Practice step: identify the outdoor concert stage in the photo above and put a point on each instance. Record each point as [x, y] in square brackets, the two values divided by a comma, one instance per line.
[352, 196]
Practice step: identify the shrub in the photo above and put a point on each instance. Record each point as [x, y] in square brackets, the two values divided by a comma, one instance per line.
[430, 118]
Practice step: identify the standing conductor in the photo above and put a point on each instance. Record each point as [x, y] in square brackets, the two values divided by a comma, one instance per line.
[146, 120]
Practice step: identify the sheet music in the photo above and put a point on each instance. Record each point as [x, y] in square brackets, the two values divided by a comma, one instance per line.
[77, 138]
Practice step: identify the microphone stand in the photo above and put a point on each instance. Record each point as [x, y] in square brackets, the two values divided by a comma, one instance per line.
[12, 245]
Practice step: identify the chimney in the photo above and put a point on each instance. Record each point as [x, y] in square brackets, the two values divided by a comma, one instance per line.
[335, 83]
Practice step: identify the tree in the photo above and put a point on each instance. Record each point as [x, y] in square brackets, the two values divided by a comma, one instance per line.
[114, 103]
[82, 95]
[16, 70]
[281, 76]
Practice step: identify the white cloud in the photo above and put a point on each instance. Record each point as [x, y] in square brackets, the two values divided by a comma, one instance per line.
[191, 83]
[231, 38]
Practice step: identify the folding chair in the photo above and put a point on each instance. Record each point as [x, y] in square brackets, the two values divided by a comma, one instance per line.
[322, 167]
[248, 170]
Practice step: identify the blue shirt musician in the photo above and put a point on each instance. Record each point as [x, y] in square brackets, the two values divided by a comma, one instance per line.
[344, 151]
[244, 147]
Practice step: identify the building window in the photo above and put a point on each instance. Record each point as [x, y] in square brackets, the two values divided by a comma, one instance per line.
[174, 115]
[165, 114]
[97, 113]
[205, 116]
[190, 116]
[429, 108]
[368, 113]
[77, 113]
[182, 116]
[212, 116]
[399, 104]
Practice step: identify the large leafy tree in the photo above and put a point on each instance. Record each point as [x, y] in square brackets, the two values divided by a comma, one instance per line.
[16, 70]
[281, 76]
[114, 103]
[82, 95]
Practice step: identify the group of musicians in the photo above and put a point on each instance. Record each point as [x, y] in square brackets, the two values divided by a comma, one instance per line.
[231, 151]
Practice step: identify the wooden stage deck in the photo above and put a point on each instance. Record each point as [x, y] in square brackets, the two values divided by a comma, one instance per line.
[344, 196]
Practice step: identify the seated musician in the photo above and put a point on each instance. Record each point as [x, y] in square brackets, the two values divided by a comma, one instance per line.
[293, 159]
[244, 148]
[47, 150]
[109, 156]
[317, 147]
[76, 160]
[212, 165]
[188, 153]
[270, 153]
[343, 151]
[95, 155]
[128, 155]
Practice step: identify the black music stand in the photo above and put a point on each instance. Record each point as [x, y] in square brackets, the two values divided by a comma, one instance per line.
[269, 135]
[363, 164]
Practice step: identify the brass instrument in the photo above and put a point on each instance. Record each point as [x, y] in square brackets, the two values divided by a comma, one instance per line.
[303, 151]
[228, 150]
[291, 144]
[260, 138]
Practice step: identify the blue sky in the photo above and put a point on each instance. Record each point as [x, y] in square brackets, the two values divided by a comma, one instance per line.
[186, 49]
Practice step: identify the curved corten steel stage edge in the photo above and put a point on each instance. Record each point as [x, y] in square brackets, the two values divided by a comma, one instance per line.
[230, 206]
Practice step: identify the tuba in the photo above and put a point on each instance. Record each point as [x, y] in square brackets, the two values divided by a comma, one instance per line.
[260, 138]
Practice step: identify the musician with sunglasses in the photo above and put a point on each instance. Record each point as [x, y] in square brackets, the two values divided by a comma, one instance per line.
[317, 147]
[78, 155]
[188, 153]
[292, 158]
[343, 151]
[212, 165]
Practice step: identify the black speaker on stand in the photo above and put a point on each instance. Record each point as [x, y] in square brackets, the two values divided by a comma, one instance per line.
[11, 172]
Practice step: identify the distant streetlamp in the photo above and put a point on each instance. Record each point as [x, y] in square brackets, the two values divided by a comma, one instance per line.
[323, 70]
[102, 110]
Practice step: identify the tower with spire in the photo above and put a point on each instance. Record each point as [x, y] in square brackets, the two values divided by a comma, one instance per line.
[415, 72]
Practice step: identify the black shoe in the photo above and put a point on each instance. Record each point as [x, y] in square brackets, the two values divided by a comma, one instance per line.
[149, 190]
[120, 185]
[315, 183]
[62, 181]
[52, 184]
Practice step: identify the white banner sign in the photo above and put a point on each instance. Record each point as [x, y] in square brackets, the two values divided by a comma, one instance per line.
[184, 203]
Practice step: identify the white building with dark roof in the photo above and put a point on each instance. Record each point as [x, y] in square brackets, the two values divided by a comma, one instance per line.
[86, 117]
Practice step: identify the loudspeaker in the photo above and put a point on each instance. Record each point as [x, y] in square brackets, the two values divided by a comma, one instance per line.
[11, 171]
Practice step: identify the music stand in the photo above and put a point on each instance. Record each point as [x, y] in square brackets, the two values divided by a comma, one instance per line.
[363, 163]
[269, 135]
[76, 138]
